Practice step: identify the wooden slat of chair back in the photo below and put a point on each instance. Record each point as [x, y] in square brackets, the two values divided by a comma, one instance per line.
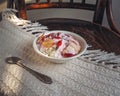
[61, 4]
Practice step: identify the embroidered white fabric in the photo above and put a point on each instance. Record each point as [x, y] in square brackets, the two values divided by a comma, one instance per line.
[92, 74]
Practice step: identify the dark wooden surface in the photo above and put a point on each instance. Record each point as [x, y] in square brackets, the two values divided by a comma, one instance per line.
[97, 36]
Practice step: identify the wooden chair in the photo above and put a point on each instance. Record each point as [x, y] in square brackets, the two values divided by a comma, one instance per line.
[98, 9]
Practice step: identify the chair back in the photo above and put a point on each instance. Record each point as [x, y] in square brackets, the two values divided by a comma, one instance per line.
[97, 8]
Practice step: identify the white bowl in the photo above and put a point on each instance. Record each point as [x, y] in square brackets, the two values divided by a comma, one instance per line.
[80, 39]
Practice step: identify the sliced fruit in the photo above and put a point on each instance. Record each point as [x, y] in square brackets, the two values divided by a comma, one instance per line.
[48, 43]
[68, 54]
[59, 43]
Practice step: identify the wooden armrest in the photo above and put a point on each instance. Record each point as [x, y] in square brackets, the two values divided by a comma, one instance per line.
[110, 18]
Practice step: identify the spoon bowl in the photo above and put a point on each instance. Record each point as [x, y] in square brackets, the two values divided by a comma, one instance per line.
[12, 60]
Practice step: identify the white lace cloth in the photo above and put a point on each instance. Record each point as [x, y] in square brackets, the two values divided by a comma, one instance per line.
[79, 77]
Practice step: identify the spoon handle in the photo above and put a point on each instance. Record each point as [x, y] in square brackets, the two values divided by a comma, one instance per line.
[40, 76]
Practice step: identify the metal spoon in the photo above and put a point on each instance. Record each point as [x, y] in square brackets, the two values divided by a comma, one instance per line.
[17, 61]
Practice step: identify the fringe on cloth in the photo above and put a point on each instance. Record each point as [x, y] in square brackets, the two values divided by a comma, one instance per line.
[26, 25]
[98, 57]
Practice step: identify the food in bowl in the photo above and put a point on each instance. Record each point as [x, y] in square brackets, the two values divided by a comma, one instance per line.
[59, 46]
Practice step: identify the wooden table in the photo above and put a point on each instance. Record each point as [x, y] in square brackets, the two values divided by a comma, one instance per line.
[96, 35]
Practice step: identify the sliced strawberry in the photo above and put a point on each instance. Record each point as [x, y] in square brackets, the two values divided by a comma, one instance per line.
[57, 37]
[59, 43]
[68, 55]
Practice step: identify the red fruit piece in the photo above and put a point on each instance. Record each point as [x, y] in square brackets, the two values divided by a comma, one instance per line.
[59, 43]
[68, 54]
[57, 36]
[58, 33]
